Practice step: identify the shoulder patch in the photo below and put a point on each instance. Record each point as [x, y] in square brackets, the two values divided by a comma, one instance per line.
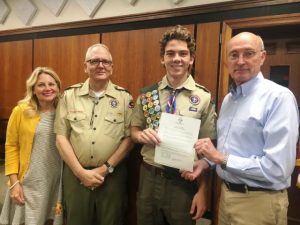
[149, 88]
[118, 88]
[202, 87]
[74, 86]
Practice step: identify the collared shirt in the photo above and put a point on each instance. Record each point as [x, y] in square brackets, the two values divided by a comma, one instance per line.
[192, 100]
[94, 126]
[258, 128]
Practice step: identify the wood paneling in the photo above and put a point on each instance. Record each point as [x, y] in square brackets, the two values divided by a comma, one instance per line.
[285, 56]
[15, 67]
[65, 55]
[136, 57]
[207, 56]
[224, 74]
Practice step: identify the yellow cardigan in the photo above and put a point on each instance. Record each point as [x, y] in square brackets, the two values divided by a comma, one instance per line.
[19, 138]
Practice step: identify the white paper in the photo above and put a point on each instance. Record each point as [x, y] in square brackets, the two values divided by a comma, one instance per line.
[178, 135]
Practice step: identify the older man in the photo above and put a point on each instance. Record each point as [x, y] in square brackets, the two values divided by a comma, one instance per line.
[92, 126]
[257, 136]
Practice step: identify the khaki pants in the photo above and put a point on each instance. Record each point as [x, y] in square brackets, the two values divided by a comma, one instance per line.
[253, 207]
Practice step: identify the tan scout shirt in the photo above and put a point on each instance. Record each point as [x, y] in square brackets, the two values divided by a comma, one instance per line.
[94, 126]
[193, 101]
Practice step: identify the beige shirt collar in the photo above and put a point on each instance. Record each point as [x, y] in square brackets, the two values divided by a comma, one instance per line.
[110, 89]
[188, 84]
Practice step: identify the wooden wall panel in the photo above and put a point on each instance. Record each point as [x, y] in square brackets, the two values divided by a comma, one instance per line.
[65, 55]
[207, 55]
[15, 67]
[223, 84]
[136, 57]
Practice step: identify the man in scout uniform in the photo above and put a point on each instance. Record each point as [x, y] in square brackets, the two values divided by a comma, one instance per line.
[93, 137]
[164, 196]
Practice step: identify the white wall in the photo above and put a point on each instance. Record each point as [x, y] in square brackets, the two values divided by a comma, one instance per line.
[72, 11]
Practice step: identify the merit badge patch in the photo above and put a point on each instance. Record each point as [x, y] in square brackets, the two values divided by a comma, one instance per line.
[194, 99]
[114, 103]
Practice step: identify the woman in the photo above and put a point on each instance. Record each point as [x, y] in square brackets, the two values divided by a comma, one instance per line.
[32, 161]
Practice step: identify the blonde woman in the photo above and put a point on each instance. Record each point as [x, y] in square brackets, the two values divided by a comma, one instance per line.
[32, 162]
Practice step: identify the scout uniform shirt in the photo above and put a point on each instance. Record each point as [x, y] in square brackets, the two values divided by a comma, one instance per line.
[94, 126]
[192, 100]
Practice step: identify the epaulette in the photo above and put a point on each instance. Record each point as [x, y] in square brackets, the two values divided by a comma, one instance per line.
[149, 88]
[121, 89]
[74, 86]
[202, 87]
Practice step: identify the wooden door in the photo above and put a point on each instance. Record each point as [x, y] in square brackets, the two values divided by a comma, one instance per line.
[282, 65]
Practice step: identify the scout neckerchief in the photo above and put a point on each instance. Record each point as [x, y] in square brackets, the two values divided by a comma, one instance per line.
[171, 104]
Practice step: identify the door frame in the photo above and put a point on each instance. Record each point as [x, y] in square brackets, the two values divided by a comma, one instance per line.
[255, 22]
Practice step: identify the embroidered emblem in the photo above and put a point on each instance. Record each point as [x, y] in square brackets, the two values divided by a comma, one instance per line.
[114, 103]
[131, 104]
[194, 99]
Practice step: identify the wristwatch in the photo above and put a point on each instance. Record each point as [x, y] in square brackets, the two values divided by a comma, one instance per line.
[224, 163]
[110, 168]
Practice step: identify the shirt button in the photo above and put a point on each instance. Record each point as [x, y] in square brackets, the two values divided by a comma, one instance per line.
[75, 118]
[94, 128]
[93, 142]
[92, 157]
[96, 115]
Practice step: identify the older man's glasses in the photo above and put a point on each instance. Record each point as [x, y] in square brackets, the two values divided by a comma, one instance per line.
[249, 54]
[96, 62]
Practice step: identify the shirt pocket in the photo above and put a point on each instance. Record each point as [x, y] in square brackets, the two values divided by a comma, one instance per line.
[190, 113]
[114, 125]
[78, 122]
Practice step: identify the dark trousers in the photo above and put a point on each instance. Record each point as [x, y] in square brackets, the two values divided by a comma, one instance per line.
[105, 205]
[164, 200]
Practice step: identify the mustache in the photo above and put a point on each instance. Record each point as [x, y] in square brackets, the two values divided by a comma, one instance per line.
[241, 68]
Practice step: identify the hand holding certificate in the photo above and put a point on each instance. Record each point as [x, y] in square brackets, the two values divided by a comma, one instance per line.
[178, 135]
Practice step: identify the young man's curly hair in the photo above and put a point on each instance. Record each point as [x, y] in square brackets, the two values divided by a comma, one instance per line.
[178, 33]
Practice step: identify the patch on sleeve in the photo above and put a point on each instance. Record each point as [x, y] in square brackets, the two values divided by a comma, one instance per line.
[131, 104]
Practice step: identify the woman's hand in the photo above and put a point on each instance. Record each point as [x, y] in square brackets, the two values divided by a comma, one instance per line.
[17, 194]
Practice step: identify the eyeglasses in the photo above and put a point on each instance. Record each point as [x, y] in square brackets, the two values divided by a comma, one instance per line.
[249, 54]
[96, 62]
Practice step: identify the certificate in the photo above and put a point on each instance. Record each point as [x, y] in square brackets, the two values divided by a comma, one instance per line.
[178, 135]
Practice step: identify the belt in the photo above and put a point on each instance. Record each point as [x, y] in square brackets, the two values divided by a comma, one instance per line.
[156, 170]
[243, 188]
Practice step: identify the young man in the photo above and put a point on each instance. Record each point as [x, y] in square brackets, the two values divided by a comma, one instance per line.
[164, 196]
[93, 137]
[257, 136]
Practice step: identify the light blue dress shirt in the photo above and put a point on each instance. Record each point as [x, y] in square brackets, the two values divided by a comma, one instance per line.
[258, 128]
